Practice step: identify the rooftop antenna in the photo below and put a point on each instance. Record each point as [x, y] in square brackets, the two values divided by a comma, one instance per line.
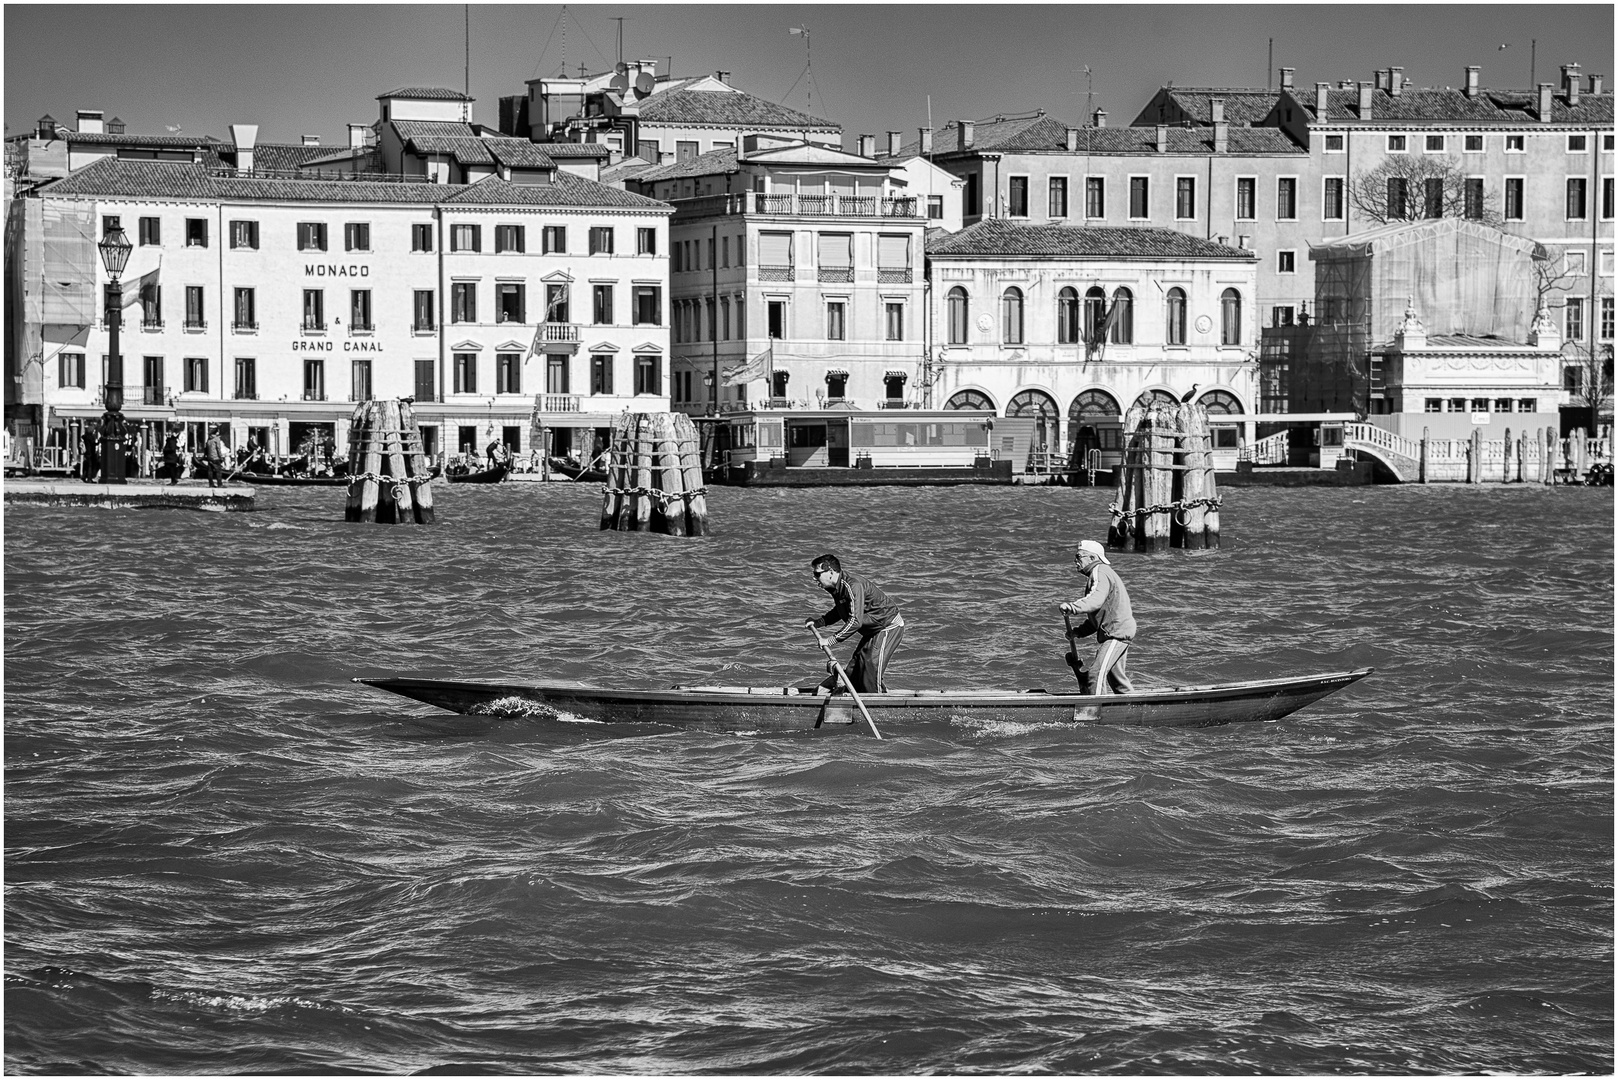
[467, 8]
[809, 66]
[1088, 123]
[564, 41]
[1270, 68]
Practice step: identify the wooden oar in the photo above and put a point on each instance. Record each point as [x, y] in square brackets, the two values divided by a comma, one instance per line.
[847, 682]
[1073, 655]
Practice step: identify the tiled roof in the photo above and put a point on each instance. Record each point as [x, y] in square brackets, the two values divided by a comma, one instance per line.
[425, 93]
[728, 107]
[996, 237]
[575, 150]
[289, 156]
[627, 169]
[171, 142]
[566, 190]
[471, 150]
[1047, 134]
[432, 129]
[722, 160]
[1243, 105]
[1444, 106]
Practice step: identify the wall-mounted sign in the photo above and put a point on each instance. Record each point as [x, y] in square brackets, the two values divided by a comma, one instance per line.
[335, 270]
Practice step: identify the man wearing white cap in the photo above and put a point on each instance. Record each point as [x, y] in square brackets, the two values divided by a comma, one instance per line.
[1106, 603]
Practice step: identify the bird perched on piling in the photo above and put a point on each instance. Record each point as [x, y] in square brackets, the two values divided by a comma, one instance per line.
[1189, 394]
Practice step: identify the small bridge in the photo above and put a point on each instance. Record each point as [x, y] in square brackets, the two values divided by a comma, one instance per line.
[1400, 455]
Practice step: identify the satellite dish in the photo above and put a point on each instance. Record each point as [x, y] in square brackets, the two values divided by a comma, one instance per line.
[619, 82]
[644, 82]
[621, 68]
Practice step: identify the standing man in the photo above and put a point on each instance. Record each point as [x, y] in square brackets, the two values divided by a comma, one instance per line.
[1106, 604]
[214, 452]
[865, 610]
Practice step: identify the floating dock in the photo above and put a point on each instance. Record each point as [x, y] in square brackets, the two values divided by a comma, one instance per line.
[135, 495]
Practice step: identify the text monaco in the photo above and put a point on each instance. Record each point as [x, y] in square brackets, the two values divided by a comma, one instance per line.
[334, 270]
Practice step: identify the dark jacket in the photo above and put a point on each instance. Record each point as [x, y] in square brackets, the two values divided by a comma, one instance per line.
[860, 605]
[1106, 601]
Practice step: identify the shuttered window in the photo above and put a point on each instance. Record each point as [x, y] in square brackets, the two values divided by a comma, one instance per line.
[893, 252]
[836, 250]
[775, 249]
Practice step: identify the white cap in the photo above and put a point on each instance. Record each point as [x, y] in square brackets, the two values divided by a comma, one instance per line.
[1095, 549]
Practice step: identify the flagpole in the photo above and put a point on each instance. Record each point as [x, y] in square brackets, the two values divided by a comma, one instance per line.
[769, 370]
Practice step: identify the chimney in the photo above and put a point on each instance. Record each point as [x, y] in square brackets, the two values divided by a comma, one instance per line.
[867, 146]
[926, 143]
[356, 136]
[1396, 81]
[90, 122]
[310, 140]
[722, 76]
[1570, 83]
[1381, 78]
[966, 130]
[1071, 139]
[47, 127]
[1100, 118]
[1162, 138]
[1365, 100]
[1346, 84]
[1472, 80]
[1221, 129]
[1286, 78]
[115, 126]
[1546, 93]
[1322, 97]
[1595, 84]
[895, 143]
[1217, 107]
[245, 136]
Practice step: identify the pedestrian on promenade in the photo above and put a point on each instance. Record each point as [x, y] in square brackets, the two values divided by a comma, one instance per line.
[865, 610]
[1105, 605]
[171, 458]
[214, 453]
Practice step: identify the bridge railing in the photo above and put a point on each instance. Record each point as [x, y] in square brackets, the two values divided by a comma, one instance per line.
[1270, 450]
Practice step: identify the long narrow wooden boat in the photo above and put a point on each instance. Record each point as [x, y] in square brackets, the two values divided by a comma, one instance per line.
[284, 480]
[485, 476]
[797, 709]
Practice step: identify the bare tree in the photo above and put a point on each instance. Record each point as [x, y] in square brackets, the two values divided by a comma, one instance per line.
[1553, 276]
[1593, 364]
[1415, 187]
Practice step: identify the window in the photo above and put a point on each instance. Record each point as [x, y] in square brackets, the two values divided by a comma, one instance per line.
[1230, 323]
[970, 201]
[109, 225]
[776, 314]
[648, 375]
[1011, 316]
[510, 302]
[246, 378]
[601, 374]
[1286, 198]
[466, 238]
[151, 234]
[1246, 198]
[1578, 144]
[1572, 379]
[1434, 404]
[677, 258]
[935, 208]
[1502, 404]
[601, 240]
[1176, 316]
[1605, 257]
[1472, 144]
[1457, 404]
[151, 306]
[1017, 196]
[1575, 198]
[957, 316]
[1528, 405]
[70, 369]
[421, 238]
[359, 380]
[724, 318]
[426, 382]
[1573, 261]
[153, 384]
[1606, 318]
[648, 305]
[466, 373]
[463, 302]
[1056, 200]
[1286, 262]
[1283, 315]
[1122, 317]
[685, 150]
[1185, 198]
[713, 322]
[1095, 196]
[1472, 198]
[422, 310]
[1398, 189]
[1139, 197]
[1095, 312]
[895, 320]
[836, 385]
[1331, 198]
[195, 319]
[553, 240]
[508, 373]
[601, 304]
[1433, 144]
[357, 237]
[1514, 198]
[836, 320]
[1575, 319]
[1067, 316]
[646, 241]
[244, 235]
[244, 310]
[311, 236]
[775, 256]
[1432, 201]
[835, 253]
[196, 232]
[314, 309]
[1397, 144]
[314, 380]
[1514, 144]
[1606, 198]
[359, 314]
[1334, 144]
[508, 238]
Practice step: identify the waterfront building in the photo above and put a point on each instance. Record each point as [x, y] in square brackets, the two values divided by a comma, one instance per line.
[1071, 326]
[801, 263]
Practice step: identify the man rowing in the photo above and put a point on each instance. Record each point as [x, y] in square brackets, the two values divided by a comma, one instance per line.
[865, 610]
[1105, 603]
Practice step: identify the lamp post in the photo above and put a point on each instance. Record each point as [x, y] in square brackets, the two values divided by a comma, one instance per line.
[708, 383]
[115, 248]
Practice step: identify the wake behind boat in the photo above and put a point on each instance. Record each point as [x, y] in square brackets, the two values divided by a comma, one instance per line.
[797, 709]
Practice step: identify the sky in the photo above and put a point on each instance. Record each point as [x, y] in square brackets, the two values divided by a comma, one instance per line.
[311, 69]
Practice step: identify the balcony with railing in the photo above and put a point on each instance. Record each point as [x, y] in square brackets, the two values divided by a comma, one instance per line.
[776, 273]
[558, 403]
[152, 395]
[889, 275]
[244, 327]
[559, 333]
[791, 204]
[836, 274]
[151, 322]
[196, 325]
[314, 394]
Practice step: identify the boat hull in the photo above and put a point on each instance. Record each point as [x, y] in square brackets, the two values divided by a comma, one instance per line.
[268, 480]
[487, 476]
[778, 709]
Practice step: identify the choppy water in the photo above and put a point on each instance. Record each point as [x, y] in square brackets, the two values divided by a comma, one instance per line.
[223, 857]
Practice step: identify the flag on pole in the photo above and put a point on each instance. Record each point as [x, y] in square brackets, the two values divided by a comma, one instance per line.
[557, 303]
[751, 371]
[1096, 344]
[140, 285]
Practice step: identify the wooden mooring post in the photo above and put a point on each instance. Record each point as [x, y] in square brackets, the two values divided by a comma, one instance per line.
[654, 476]
[1167, 495]
[388, 477]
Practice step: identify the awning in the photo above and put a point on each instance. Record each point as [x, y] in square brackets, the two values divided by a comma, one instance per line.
[838, 372]
[895, 373]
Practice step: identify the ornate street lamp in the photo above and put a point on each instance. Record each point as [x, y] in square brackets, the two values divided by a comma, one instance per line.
[115, 248]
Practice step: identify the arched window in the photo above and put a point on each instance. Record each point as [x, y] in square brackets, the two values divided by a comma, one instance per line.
[1123, 322]
[1093, 423]
[1230, 309]
[1038, 404]
[1095, 310]
[1221, 403]
[1176, 317]
[957, 316]
[969, 399]
[1067, 317]
[1011, 315]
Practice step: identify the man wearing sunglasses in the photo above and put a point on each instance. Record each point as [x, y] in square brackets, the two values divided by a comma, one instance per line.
[1105, 604]
[865, 610]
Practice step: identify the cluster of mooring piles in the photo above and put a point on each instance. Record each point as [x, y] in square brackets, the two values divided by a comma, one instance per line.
[1166, 490]
[654, 476]
[388, 477]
